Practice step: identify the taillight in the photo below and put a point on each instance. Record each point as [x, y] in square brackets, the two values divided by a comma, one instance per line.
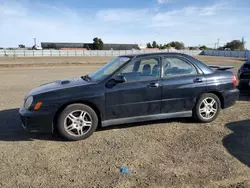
[234, 80]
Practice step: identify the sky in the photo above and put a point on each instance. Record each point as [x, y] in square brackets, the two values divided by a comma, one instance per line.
[194, 22]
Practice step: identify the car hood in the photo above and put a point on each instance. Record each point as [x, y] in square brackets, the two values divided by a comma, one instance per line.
[59, 84]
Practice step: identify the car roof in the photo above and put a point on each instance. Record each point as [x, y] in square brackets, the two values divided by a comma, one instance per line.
[154, 53]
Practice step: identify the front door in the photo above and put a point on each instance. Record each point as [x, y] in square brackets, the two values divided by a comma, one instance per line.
[182, 84]
[140, 95]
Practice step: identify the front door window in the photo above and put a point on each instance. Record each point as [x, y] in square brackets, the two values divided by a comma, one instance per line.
[143, 69]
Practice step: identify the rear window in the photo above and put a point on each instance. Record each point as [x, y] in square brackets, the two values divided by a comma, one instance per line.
[205, 69]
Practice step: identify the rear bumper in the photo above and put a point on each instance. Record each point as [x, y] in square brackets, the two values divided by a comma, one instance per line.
[36, 121]
[230, 97]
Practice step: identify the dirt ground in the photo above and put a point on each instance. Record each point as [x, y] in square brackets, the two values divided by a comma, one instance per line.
[11, 62]
[169, 153]
[52, 61]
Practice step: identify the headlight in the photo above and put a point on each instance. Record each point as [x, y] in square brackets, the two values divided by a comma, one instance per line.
[28, 102]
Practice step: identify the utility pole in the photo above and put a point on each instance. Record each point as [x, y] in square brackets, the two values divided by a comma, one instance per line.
[218, 44]
[243, 43]
[34, 41]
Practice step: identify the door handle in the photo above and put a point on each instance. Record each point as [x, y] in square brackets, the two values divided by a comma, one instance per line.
[154, 85]
[198, 80]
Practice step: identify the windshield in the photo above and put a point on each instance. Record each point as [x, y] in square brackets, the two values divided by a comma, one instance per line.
[109, 68]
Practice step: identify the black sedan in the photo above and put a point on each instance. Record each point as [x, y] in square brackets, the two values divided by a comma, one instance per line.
[130, 88]
[244, 77]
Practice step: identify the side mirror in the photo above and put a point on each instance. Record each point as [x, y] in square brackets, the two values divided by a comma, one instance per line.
[120, 79]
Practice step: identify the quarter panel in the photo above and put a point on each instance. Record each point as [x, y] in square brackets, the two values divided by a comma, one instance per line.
[220, 81]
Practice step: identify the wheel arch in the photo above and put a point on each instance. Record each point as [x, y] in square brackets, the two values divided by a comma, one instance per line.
[62, 107]
[218, 94]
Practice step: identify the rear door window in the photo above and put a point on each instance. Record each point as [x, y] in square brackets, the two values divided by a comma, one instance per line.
[175, 66]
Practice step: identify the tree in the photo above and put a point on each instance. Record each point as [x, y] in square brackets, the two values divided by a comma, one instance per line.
[149, 45]
[203, 47]
[21, 46]
[177, 45]
[162, 47]
[154, 44]
[98, 44]
[192, 48]
[169, 46]
[235, 45]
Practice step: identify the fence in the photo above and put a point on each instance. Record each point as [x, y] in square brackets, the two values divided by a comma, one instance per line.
[241, 54]
[39, 53]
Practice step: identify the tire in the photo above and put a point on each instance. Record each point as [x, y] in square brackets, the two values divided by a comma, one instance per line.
[202, 108]
[77, 122]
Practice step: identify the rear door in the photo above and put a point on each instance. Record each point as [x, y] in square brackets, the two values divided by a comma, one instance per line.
[140, 95]
[182, 82]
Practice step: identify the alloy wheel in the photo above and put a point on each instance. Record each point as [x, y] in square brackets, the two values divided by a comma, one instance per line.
[78, 123]
[208, 108]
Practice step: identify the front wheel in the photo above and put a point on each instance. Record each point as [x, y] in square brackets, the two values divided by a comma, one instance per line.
[77, 122]
[207, 108]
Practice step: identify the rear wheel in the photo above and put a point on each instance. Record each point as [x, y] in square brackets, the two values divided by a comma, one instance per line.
[207, 108]
[77, 122]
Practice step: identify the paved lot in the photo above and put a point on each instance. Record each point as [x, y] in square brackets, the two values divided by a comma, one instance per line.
[170, 153]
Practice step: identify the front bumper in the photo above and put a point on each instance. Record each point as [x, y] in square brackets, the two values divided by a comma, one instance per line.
[230, 97]
[244, 86]
[36, 121]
